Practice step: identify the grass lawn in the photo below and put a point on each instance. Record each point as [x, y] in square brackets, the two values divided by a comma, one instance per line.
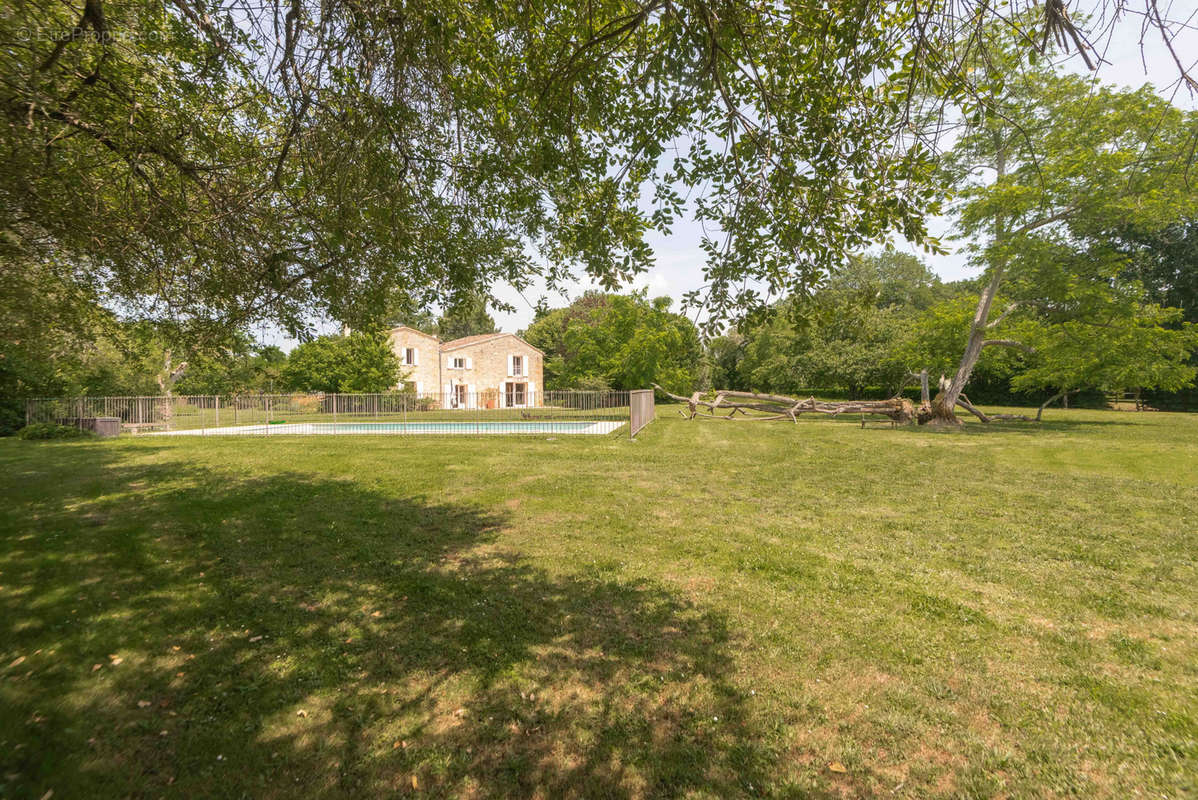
[714, 610]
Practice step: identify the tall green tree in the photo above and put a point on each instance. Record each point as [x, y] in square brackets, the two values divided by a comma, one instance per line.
[359, 362]
[1040, 178]
[621, 341]
[242, 366]
[1165, 260]
[844, 337]
[844, 344]
[721, 365]
[466, 317]
[886, 278]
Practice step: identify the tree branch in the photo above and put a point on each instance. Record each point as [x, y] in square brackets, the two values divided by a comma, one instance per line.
[1003, 316]
[1048, 402]
[1008, 343]
[964, 403]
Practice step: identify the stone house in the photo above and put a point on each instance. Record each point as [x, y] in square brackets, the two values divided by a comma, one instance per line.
[490, 370]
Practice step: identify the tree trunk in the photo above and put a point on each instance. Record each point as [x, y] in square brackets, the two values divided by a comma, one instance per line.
[170, 374]
[941, 412]
[950, 391]
[1062, 395]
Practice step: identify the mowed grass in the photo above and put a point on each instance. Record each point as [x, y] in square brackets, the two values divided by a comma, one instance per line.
[714, 610]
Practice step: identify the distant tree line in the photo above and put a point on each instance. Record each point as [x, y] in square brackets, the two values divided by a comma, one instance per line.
[870, 328]
[612, 341]
[90, 350]
[58, 342]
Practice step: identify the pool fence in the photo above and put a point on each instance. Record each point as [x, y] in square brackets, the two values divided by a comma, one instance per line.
[387, 412]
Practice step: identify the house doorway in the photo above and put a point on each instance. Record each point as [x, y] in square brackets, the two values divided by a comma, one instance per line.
[516, 394]
[460, 397]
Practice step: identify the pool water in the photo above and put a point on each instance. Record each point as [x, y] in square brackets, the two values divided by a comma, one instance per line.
[391, 428]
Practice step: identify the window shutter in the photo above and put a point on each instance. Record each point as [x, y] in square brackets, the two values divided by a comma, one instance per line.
[509, 366]
[415, 357]
[503, 394]
[419, 388]
[470, 396]
[469, 364]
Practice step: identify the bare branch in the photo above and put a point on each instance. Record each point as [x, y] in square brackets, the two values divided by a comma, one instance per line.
[1008, 343]
[1003, 316]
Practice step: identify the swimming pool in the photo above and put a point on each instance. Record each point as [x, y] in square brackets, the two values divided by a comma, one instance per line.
[571, 427]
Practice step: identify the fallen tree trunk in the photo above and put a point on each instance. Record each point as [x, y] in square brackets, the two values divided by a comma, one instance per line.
[779, 406]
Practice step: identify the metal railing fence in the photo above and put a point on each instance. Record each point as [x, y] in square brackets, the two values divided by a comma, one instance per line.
[641, 410]
[403, 411]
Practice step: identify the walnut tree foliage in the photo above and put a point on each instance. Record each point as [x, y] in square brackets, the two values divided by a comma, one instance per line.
[221, 162]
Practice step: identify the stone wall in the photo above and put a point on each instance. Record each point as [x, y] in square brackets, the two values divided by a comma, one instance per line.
[488, 369]
[423, 376]
[486, 373]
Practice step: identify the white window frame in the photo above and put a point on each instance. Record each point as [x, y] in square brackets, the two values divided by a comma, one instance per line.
[517, 362]
[509, 394]
[411, 356]
[458, 362]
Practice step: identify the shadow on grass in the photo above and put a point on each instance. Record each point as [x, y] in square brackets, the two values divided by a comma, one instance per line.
[185, 632]
[972, 426]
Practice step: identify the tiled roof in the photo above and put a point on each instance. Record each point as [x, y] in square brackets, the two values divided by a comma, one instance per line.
[466, 341]
[414, 330]
[475, 339]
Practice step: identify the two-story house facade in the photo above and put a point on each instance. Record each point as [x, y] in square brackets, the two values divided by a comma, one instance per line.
[490, 370]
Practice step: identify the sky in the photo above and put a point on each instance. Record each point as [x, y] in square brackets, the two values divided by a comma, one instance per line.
[678, 259]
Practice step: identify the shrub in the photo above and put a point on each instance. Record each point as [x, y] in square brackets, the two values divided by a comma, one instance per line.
[52, 430]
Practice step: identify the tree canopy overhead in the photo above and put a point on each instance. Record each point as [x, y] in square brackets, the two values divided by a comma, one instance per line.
[221, 161]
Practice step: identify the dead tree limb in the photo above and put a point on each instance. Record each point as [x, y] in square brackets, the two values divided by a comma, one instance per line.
[925, 397]
[963, 401]
[1049, 401]
[777, 406]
